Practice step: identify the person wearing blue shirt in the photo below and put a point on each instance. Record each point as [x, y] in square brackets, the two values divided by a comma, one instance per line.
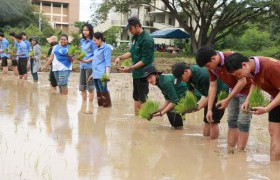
[101, 65]
[15, 45]
[61, 64]
[87, 46]
[22, 54]
[4, 52]
[24, 38]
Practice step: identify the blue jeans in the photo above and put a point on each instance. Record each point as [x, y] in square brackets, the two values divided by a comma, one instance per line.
[34, 75]
[236, 117]
[100, 86]
[62, 77]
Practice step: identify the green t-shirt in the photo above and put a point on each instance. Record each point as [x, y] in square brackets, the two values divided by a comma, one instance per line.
[142, 49]
[200, 80]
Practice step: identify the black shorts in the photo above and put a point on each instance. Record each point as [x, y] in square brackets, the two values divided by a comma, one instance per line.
[14, 62]
[22, 66]
[140, 90]
[4, 62]
[274, 115]
[217, 114]
[175, 119]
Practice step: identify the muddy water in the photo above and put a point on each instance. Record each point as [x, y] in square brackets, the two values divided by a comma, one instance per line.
[46, 136]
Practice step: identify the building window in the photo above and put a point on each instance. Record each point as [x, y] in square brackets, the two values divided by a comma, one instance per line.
[65, 5]
[56, 5]
[46, 4]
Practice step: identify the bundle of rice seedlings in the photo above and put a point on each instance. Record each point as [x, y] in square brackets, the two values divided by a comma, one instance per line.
[6, 50]
[257, 98]
[104, 79]
[222, 95]
[126, 63]
[72, 50]
[12, 50]
[31, 54]
[186, 104]
[148, 109]
[82, 55]
[78, 52]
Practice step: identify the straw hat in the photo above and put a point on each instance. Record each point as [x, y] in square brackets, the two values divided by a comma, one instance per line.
[52, 39]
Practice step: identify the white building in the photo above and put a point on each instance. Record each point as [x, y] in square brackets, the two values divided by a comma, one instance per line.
[152, 19]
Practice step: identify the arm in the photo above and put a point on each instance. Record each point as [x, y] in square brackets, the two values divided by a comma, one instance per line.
[107, 56]
[237, 88]
[71, 58]
[48, 62]
[37, 52]
[165, 108]
[202, 104]
[87, 60]
[245, 105]
[122, 57]
[211, 99]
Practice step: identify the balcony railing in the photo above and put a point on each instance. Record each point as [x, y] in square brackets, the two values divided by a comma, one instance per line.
[124, 23]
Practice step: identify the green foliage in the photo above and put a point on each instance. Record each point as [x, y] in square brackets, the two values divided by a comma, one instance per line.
[187, 103]
[75, 38]
[82, 55]
[72, 49]
[123, 46]
[31, 53]
[257, 98]
[222, 95]
[104, 79]
[78, 52]
[6, 50]
[80, 24]
[126, 63]
[112, 34]
[148, 108]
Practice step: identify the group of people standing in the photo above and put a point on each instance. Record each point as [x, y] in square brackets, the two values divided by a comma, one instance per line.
[214, 72]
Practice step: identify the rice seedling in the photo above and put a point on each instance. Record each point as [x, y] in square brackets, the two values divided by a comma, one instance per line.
[222, 95]
[126, 63]
[78, 52]
[186, 104]
[104, 79]
[257, 98]
[31, 54]
[72, 50]
[6, 50]
[82, 55]
[148, 109]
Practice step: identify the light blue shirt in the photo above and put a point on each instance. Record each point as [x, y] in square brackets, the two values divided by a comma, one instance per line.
[15, 44]
[101, 60]
[22, 49]
[28, 45]
[87, 46]
[4, 45]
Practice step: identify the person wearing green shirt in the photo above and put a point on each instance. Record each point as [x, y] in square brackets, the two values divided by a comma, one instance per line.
[198, 78]
[172, 93]
[142, 54]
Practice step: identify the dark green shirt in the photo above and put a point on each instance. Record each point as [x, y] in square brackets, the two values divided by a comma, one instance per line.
[200, 80]
[142, 49]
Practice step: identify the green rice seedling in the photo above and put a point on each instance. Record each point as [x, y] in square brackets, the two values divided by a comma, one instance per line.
[72, 50]
[126, 63]
[148, 109]
[6, 50]
[104, 79]
[257, 98]
[31, 54]
[82, 55]
[78, 52]
[12, 50]
[186, 104]
[222, 95]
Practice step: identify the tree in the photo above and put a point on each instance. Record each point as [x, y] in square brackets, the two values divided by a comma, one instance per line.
[112, 34]
[80, 24]
[206, 21]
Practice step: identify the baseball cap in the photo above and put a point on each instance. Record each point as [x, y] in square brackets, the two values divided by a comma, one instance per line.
[52, 39]
[150, 70]
[132, 22]
[178, 70]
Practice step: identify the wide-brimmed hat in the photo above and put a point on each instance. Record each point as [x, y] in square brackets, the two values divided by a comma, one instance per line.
[52, 39]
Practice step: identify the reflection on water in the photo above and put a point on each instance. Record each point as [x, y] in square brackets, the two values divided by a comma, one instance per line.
[47, 136]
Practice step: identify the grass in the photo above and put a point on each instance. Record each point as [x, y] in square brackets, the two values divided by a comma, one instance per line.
[187, 103]
[257, 98]
[222, 95]
[148, 108]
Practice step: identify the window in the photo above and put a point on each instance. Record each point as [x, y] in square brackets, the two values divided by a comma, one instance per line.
[46, 4]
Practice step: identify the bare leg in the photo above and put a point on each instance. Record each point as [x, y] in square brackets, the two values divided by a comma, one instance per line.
[214, 131]
[274, 131]
[64, 90]
[25, 76]
[232, 137]
[206, 129]
[91, 96]
[15, 70]
[137, 107]
[20, 76]
[242, 140]
[84, 95]
[5, 70]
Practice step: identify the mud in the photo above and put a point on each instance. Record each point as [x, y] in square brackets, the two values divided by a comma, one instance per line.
[47, 136]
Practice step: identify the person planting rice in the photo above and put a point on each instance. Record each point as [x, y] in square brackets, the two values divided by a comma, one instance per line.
[265, 73]
[35, 58]
[4, 46]
[22, 54]
[14, 46]
[142, 54]
[87, 46]
[198, 78]
[52, 41]
[172, 93]
[62, 64]
[238, 121]
[100, 68]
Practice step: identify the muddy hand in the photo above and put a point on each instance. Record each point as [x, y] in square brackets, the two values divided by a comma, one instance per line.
[124, 70]
[222, 104]
[209, 117]
[245, 107]
[117, 61]
[258, 110]
[90, 78]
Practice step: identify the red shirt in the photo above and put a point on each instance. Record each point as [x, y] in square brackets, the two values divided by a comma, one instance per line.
[267, 75]
[230, 80]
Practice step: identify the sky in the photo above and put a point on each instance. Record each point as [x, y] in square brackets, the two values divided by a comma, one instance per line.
[85, 10]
